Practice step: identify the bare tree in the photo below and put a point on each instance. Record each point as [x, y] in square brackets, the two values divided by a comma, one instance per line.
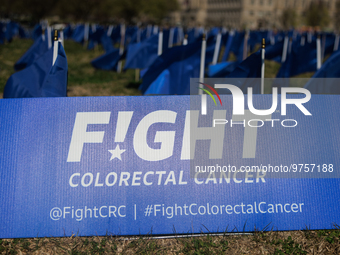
[317, 14]
[288, 18]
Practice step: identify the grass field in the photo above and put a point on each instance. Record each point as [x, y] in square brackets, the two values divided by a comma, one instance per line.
[83, 80]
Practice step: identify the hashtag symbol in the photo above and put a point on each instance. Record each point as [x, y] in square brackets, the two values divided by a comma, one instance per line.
[148, 210]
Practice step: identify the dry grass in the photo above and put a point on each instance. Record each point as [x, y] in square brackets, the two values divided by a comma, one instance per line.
[297, 242]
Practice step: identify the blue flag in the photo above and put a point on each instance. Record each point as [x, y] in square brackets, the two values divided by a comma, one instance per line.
[237, 45]
[255, 37]
[222, 69]
[171, 72]
[249, 68]
[115, 35]
[106, 42]
[78, 34]
[302, 59]
[143, 54]
[329, 44]
[274, 52]
[37, 31]
[68, 31]
[129, 33]
[22, 32]
[107, 61]
[12, 29]
[323, 81]
[38, 48]
[229, 42]
[247, 74]
[40, 79]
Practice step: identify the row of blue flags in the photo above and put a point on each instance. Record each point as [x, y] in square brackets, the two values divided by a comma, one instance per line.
[170, 72]
[10, 29]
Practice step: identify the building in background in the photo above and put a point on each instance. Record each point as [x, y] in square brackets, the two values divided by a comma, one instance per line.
[192, 13]
[244, 14]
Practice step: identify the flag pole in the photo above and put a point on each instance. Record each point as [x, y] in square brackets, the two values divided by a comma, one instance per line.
[109, 31]
[217, 48]
[55, 46]
[43, 35]
[180, 35]
[148, 31]
[336, 42]
[245, 45]
[285, 49]
[137, 70]
[94, 29]
[318, 53]
[290, 45]
[171, 37]
[323, 47]
[309, 36]
[203, 49]
[62, 37]
[121, 48]
[185, 41]
[263, 51]
[86, 34]
[272, 38]
[303, 40]
[160, 42]
[155, 29]
[49, 37]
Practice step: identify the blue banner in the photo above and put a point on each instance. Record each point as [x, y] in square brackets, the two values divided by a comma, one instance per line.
[121, 166]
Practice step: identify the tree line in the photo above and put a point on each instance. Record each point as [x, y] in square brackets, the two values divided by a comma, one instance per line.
[103, 11]
[316, 15]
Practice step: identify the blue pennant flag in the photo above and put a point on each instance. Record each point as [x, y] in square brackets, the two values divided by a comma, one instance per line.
[247, 74]
[237, 45]
[143, 54]
[229, 42]
[222, 69]
[171, 72]
[274, 52]
[225, 68]
[129, 33]
[106, 42]
[38, 48]
[99, 36]
[329, 44]
[302, 59]
[22, 32]
[249, 68]
[12, 29]
[323, 81]
[37, 31]
[40, 79]
[95, 34]
[255, 37]
[78, 34]
[107, 61]
[115, 35]
[68, 31]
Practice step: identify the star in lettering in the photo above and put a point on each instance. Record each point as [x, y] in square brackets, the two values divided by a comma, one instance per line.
[116, 153]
